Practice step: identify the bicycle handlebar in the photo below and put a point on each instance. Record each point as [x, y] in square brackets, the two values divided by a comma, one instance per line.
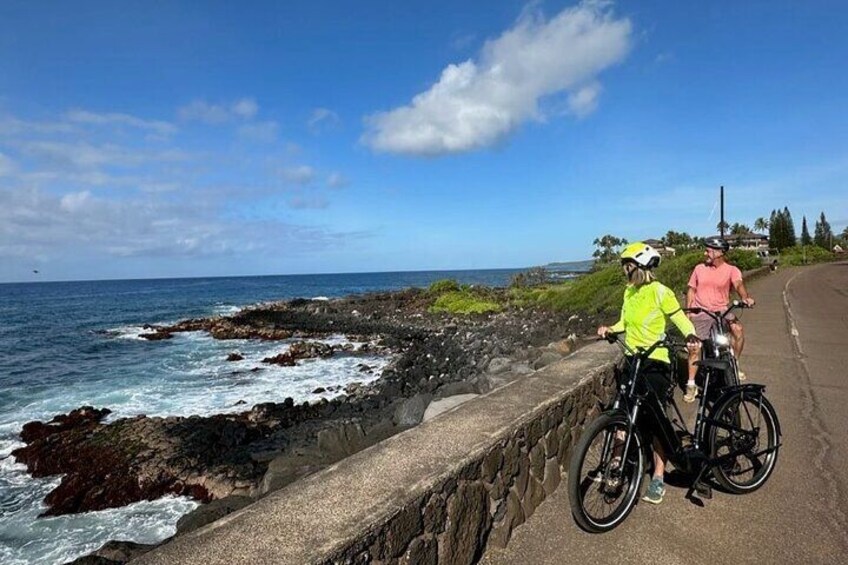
[613, 337]
[717, 315]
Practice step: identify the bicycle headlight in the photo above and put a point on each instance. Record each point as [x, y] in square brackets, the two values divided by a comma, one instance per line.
[722, 340]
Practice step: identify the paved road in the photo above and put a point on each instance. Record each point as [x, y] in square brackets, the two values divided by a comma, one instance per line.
[798, 346]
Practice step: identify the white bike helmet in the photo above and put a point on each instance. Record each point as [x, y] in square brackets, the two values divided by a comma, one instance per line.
[642, 254]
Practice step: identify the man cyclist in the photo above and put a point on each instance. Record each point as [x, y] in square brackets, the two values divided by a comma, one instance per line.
[709, 289]
[647, 304]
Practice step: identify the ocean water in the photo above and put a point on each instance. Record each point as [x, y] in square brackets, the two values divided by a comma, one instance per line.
[68, 344]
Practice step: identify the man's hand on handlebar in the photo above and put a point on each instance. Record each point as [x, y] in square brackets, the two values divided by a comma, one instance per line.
[692, 342]
[749, 302]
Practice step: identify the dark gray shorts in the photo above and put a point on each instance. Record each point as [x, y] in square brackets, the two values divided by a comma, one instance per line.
[703, 324]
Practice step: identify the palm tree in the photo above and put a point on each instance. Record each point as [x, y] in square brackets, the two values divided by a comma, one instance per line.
[722, 227]
[739, 229]
[761, 225]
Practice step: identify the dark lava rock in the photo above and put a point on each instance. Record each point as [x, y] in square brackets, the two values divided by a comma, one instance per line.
[208, 513]
[283, 359]
[216, 457]
[235, 357]
[114, 552]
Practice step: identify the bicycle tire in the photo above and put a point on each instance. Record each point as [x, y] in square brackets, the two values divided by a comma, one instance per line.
[583, 475]
[748, 410]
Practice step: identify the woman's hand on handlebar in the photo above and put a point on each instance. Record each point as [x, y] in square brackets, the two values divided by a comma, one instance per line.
[603, 331]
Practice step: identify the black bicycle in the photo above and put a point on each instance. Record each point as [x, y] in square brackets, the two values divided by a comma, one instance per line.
[735, 440]
[718, 345]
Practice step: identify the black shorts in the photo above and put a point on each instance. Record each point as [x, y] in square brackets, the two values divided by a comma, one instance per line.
[656, 377]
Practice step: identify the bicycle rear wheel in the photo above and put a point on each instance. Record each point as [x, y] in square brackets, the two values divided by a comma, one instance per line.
[744, 434]
[603, 482]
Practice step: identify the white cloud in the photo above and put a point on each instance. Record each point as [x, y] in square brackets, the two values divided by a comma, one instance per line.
[337, 180]
[7, 166]
[302, 174]
[38, 224]
[264, 132]
[245, 108]
[86, 117]
[583, 102]
[322, 119]
[214, 114]
[75, 201]
[202, 111]
[304, 203]
[14, 127]
[86, 155]
[476, 103]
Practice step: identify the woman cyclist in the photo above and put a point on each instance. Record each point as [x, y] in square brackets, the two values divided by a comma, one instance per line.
[647, 304]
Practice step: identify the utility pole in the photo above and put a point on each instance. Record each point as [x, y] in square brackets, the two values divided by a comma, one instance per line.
[721, 223]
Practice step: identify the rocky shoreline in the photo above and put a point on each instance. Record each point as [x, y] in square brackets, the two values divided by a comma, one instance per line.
[229, 460]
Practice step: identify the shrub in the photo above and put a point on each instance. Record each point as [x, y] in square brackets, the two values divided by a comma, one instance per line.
[442, 286]
[533, 277]
[674, 272]
[744, 259]
[600, 291]
[464, 302]
[804, 255]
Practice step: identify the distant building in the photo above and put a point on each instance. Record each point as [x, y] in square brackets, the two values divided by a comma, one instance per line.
[661, 247]
[750, 241]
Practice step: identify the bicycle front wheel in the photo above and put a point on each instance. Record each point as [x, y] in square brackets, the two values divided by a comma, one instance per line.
[743, 436]
[603, 481]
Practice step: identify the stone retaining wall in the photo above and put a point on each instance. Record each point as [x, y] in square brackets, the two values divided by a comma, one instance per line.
[438, 493]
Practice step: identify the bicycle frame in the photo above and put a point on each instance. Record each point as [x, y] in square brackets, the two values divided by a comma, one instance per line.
[631, 402]
[693, 459]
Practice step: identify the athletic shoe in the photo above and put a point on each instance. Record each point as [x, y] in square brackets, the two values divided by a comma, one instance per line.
[742, 376]
[691, 393]
[655, 492]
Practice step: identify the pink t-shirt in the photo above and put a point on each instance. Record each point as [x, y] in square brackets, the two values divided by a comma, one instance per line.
[712, 285]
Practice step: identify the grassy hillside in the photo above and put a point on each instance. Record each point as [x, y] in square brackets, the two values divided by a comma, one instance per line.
[598, 292]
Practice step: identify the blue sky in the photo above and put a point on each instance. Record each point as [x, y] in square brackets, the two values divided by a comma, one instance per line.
[209, 138]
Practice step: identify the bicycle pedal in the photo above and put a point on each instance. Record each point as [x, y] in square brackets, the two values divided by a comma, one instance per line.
[704, 491]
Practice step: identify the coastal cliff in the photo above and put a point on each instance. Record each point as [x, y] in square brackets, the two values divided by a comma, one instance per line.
[244, 456]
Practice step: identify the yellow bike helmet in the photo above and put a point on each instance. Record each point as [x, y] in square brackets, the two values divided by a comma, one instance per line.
[642, 254]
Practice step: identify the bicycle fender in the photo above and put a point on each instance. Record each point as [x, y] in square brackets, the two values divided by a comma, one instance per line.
[756, 389]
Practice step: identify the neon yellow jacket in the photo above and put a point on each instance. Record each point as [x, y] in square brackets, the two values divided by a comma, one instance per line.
[643, 317]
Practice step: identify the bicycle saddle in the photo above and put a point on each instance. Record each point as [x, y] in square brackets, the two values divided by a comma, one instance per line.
[719, 364]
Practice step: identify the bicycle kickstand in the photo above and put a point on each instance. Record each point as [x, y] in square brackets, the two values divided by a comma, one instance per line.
[704, 490]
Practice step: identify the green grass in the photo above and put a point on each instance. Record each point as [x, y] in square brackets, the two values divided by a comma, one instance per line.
[598, 292]
[464, 302]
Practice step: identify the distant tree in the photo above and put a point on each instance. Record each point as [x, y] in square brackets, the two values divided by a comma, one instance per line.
[722, 227]
[781, 229]
[774, 230]
[607, 248]
[823, 234]
[739, 229]
[761, 225]
[844, 235]
[677, 239]
[791, 240]
[805, 233]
